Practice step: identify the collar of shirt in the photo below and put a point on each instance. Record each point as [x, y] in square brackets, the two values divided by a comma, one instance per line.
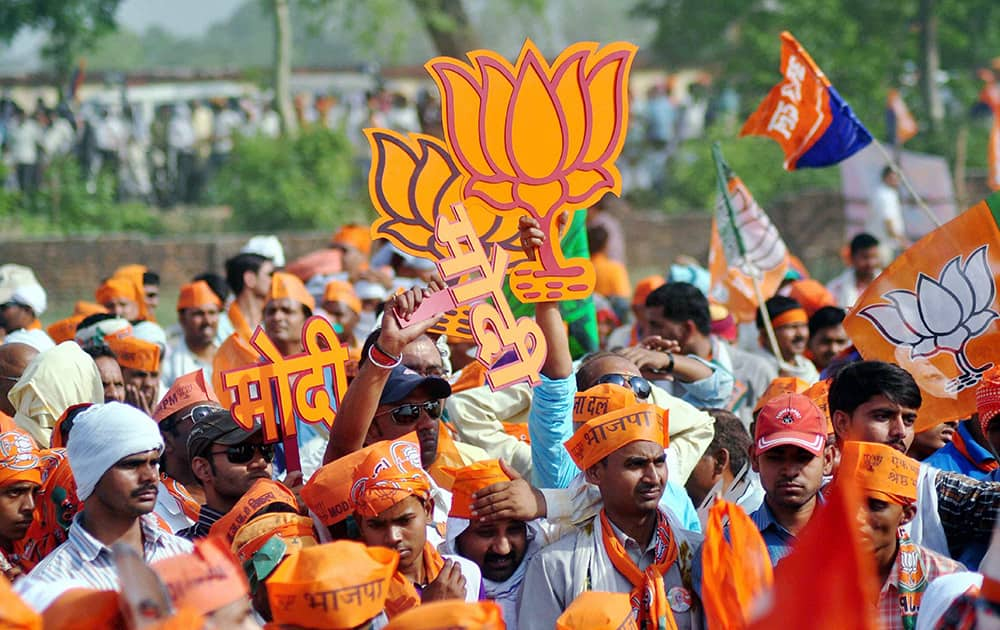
[631, 545]
[764, 518]
[89, 547]
[208, 516]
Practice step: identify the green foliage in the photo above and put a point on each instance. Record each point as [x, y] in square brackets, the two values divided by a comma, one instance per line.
[308, 182]
[757, 161]
[63, 205]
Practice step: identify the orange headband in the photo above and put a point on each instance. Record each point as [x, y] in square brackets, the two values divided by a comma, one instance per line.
[605, 434]
[389, 474]
[882, 471]
[469, 480]
[262, 493]
[65, 329]
[793, 316]
[196, 295]
[19, 459]
[135, 354]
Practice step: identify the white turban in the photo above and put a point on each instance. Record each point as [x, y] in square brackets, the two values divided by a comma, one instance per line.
[36, 338]
[104, 434]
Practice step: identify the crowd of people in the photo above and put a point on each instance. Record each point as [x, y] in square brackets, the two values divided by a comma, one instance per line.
[129, 490]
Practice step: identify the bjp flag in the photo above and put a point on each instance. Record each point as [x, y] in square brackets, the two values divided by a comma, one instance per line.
[749, 245]
[736, 566]
[805, 115]
[901, 126]
[828, 581]
[934, 311]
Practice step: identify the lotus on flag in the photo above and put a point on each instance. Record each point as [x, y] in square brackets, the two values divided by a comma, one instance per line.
[935, 312]
[805, 115]
[764, 253]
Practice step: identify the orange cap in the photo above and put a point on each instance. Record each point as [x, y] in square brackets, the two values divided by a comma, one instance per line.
[781, 385]
[14, 613]
[881, 471]
[646, 286]
[340, 291]
[296, 532]
[450, 615]
[342, 584]
[88, 308]
[135, 354]
[285, 285]
[624, 422]
[357, 236]
[262, 493]
[389, 474]
[205, 580]
[84, 609]
[186, 390]
[65, 329]
[811, 295]
[819, 394]
[197, 294]
[19, 459]
[594, 610]
[470, 479]
[234, 353]
[121, 287]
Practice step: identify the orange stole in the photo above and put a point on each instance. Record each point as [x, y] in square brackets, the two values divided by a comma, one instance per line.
[240, 323]
[177, 490]
[402, 593]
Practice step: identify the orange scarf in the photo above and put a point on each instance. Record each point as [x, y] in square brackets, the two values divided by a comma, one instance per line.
[240, 324]
[188, 504]
[649, 599]
[402, 593]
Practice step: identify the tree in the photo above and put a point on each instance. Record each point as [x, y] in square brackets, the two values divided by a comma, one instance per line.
[72, 26]
[283, 67]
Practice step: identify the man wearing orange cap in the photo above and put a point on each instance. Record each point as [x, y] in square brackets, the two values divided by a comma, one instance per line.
[888, 480]
[140, 364]
[123, 297]
[791, 329]
[790, 455]
[337, 586]
[392, 503]
[631, 546]
[210, 582]
[249, 276]
[189, 400]
[343, 308]
[502, 548]
[198, 315]
[20, 479]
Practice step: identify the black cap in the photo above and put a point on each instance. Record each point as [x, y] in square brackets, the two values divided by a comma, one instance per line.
[403, 380]
[219, 427]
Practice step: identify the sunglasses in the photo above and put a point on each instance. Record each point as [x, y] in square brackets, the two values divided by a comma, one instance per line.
[243, 453]
[410, 413]
[639, 386]
[196, 414]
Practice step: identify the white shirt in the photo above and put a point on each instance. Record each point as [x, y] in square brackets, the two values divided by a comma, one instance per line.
[181, 361]
[226, 123]
[24, 141]
[844, 288]
[59, 138]
[885, 208]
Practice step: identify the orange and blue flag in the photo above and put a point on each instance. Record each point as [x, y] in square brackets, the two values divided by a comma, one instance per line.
[805, 115]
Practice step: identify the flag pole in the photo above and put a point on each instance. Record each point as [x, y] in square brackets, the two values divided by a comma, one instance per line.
[906, 182]
[721, 173]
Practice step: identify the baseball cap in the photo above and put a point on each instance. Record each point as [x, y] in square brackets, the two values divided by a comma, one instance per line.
[217, 428]
[403, 380]
[790, 420]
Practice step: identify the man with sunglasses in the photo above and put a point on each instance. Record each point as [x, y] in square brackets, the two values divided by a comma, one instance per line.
[187, 402]
[226, 459]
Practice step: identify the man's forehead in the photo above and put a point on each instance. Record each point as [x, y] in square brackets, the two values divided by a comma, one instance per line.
[155, 453]
[640, 448]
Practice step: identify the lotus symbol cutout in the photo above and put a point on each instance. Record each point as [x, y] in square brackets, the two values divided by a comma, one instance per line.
[942, 315]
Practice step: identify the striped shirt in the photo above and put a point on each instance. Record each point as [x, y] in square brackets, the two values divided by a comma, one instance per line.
[90, 562]
[206, 518]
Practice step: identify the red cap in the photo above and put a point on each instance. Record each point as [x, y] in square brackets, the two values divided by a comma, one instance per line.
[792, 420]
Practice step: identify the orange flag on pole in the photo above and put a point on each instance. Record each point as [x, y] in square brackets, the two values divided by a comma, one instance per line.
[763, 253]
[934, 311]
[736, 570]
[828, 581]
[902, 124]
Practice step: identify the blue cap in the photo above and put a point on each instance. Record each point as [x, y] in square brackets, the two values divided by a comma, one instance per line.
[403, 380]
